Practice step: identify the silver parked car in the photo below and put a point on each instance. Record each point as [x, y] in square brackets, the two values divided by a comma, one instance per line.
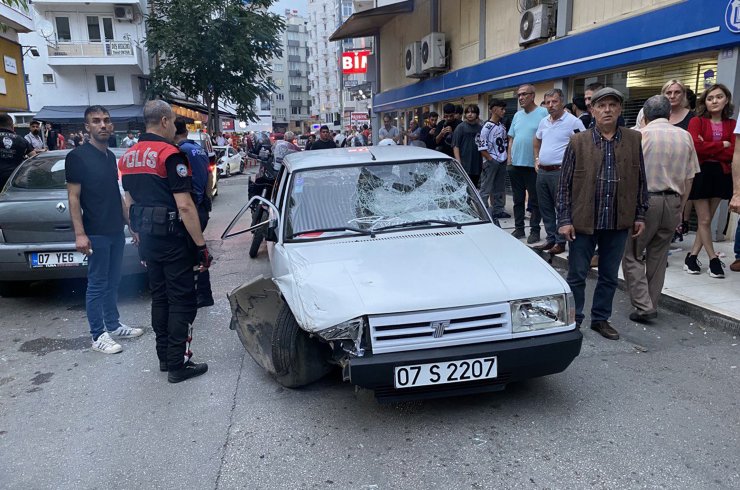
[37, 240]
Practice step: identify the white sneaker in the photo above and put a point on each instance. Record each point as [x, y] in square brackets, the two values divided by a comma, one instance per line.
[106, 345]
[126, 332]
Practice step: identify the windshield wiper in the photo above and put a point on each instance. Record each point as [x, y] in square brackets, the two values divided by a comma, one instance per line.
[419, 223]
[329, 230]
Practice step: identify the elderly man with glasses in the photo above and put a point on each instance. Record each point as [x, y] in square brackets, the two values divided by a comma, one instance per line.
[602, 198]
[521, 155]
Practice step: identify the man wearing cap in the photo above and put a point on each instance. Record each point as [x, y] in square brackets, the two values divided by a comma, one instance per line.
[602, 200]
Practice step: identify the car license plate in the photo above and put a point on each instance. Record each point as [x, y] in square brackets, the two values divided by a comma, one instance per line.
[445, 372]
[58, 259]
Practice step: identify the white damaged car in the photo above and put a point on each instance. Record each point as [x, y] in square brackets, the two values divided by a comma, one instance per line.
[386, 264]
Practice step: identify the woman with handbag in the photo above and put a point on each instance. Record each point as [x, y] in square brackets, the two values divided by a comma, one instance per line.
[714, 140]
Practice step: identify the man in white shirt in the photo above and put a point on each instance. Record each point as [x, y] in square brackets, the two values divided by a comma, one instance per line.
[552, 137]
[34, 137]
[129, 140]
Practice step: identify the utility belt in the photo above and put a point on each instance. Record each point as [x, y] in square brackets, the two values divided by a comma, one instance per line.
[155, 220]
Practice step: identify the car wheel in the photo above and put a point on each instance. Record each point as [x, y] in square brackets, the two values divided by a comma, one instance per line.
[227, 172]
[298, 359]
[241, 167]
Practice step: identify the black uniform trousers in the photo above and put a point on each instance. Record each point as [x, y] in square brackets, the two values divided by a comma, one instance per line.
[170, 261]
[204, 278]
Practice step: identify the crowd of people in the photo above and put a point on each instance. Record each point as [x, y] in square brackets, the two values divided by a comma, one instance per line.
[616, 194]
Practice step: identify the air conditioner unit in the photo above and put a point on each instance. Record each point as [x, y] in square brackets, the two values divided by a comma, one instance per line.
[535, 24]
[123, 12]
[433, 52]
[412, 60]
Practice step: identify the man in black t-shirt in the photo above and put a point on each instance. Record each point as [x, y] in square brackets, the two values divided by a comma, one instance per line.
[444, 130]
[324, 142]
[13, 149]
[98, 216]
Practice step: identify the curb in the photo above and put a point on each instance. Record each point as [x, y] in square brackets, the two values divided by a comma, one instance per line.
[701, 314]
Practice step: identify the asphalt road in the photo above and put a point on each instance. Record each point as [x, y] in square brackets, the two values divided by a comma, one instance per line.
[657, 409]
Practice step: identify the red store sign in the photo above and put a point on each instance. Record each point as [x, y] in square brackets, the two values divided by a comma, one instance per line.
[354, 62]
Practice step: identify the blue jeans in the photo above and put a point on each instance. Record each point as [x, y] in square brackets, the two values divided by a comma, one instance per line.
[103, 276]
[611, 249]
[737, 240]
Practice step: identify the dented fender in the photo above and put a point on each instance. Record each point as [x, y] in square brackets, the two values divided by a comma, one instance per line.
[254, 310]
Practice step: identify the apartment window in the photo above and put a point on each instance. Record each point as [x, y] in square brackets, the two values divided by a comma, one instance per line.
[105, 83]
[63, 31]
[278, 67]
[97, 26]
[47, 78]
[279, 97]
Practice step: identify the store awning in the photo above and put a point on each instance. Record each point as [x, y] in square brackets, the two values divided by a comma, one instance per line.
[68, 114]
[368, 22]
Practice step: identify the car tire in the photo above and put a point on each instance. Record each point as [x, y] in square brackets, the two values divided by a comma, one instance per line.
[299, 360]
[241, 167]
[227, 172]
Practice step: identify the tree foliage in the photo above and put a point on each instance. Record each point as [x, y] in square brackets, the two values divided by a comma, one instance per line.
[216, 49]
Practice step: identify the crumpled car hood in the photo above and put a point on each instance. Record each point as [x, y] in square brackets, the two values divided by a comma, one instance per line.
[337, 280]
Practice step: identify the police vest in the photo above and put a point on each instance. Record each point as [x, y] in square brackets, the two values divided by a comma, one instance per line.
[147, 160]
[147, 157]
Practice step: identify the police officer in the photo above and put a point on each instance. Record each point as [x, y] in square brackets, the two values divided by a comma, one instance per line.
[199, 165]
[13, 149]
[157, 181]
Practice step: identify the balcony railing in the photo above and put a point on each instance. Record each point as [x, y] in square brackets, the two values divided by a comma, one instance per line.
[87, 49]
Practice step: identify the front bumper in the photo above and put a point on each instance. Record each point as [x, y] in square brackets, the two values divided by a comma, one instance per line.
[15, 262]
[518, 360]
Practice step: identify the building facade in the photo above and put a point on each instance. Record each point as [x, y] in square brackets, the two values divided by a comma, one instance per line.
[324, 78]
[488, 49]
[16, 20]
[90, 52]
[291, 102]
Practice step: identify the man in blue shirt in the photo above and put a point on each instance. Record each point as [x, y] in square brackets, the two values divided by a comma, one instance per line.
[199, 165]
[522, 173]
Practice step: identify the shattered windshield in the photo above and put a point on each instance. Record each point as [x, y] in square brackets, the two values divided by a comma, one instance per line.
[347, 200]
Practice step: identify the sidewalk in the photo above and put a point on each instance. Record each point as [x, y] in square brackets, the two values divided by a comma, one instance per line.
[713, 302]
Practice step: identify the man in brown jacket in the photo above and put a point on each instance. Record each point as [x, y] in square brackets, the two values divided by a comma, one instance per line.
[602, 198]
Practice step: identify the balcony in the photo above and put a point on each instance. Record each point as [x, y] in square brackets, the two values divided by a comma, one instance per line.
[294, 57]
[295, 73]
[296, 88]
[71, 53]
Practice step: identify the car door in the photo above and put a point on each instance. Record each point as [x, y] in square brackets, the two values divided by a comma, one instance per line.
[277, 198]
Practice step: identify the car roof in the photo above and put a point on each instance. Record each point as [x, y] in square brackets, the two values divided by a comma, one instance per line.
[63, 153]
[362, 155]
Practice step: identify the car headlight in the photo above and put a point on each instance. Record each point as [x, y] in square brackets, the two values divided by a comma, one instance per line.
[532, 314]
[351, 330]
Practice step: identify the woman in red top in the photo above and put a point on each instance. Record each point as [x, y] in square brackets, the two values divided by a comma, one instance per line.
[712, 132]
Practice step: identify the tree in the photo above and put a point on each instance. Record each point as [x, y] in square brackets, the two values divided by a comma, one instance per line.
[21, 5]
[215, 49]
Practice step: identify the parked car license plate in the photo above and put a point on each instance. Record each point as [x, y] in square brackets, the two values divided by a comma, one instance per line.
[58, 259]
[445, 372]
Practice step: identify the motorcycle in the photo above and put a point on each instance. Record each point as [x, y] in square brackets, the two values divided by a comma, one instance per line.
[261, 186]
